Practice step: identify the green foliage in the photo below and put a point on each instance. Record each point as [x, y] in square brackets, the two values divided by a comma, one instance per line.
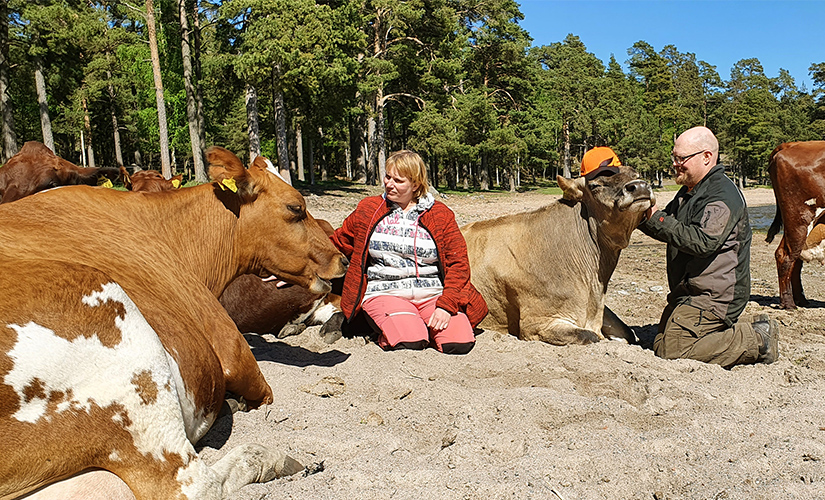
[458, 81]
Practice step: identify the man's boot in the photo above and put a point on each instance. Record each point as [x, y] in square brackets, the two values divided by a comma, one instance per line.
[768, 329]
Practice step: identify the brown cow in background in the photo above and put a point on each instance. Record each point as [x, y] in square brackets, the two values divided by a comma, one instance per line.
[149, 181]
[797, 171]
[36, 168]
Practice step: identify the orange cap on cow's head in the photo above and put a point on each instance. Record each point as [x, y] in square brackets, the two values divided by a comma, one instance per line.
[600, 161]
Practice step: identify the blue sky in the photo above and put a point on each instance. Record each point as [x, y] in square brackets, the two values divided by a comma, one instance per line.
[787, 34]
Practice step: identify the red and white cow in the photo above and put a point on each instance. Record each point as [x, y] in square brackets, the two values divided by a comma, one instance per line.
[36, 168]
[115, 353]
[797, 171]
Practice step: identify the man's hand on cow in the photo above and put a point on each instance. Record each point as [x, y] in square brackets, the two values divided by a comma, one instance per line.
[439, 320]
[649, 212]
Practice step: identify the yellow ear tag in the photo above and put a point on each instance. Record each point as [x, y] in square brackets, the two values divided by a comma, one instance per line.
[105, 183]
[176, 183]
[230, 184]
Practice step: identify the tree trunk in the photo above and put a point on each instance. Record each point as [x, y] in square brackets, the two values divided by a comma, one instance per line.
[299, 147]
[293, 167]
[484, 173]
[115, 124]
[358, 144]
[280, 124]
[191, 104]
[196, 61]
[380, 143]
[565, 133]
[372, 163]
[42, 100]
[252, 123]
[323, 158]
[312, 162]
[7, 118]
[87, 124]
[165, 163]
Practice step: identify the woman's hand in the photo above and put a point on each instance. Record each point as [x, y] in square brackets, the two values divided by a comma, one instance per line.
[439, 320]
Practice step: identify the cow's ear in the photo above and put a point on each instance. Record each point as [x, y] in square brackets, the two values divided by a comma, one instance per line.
[573, 189]
[227, 171]
[124, 176]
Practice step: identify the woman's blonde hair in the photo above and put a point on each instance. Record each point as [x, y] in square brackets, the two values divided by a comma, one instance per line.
[410, 165]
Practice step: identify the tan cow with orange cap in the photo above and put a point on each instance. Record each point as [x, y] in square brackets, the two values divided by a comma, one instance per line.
[544, 273]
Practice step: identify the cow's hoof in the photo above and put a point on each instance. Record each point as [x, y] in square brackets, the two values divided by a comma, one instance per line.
[232, 404]
[290, 330]
[314, 468]
[586, 336]
[290, 467]
[331, 330]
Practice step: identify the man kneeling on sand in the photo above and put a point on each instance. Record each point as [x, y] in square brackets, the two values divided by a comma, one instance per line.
[708, 240]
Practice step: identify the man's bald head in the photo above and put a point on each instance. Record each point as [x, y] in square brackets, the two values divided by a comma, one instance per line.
[700, 139]
[695, 152]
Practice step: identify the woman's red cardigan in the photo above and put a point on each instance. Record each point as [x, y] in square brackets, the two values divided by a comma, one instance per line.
[454, 268]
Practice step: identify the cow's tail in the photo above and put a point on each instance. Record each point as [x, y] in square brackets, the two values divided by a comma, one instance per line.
[776, 225]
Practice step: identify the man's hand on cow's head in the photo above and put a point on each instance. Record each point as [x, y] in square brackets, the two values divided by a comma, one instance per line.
[649, 212]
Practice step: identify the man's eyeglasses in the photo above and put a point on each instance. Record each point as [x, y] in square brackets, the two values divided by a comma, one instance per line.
[680, 160]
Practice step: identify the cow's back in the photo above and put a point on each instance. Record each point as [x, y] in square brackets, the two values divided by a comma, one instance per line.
[797, 171]
[132, 240]
[544, 261]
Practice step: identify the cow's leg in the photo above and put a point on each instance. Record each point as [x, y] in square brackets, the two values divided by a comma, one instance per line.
[243, 376]
[614, 328]
[796, 284]
[161, 479]
[556, 331]
[785, 262]
[253, 463]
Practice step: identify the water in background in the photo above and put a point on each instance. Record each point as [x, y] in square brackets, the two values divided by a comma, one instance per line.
[761, 217]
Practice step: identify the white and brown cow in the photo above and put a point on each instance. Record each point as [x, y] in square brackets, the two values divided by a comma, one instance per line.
[115, 353]
[544, 274]
[797, 171]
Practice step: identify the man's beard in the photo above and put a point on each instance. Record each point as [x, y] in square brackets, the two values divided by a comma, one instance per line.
[681, 177]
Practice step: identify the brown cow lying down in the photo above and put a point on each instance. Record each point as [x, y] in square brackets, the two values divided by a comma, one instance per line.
[149, 181]
[259, 305]
[115, 353]
[544, 274]
[267, 306]
[797, 171]
[36, 168]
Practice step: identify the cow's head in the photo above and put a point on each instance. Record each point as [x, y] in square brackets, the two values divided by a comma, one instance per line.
[150, 181]
[36, 168]
[275, 235]
[616, 203]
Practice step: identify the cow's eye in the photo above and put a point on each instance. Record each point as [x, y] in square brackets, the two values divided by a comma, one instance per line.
[297, 211]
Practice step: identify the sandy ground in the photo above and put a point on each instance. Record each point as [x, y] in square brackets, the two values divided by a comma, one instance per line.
[520, 420]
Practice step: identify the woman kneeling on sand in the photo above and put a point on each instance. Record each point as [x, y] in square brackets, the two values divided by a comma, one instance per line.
[409, 270]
